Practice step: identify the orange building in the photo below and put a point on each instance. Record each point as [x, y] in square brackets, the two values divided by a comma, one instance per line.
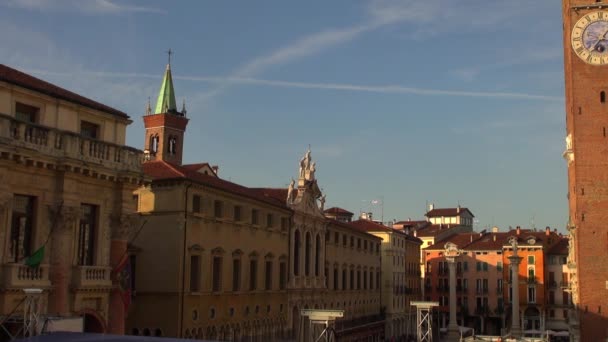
[482, 278]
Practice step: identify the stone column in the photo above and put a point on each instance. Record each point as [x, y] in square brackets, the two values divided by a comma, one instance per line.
[122, 226]
[451, 253]
[62, 222]
[515, 260]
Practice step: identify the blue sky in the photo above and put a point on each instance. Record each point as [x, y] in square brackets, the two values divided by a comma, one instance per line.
[409, 101]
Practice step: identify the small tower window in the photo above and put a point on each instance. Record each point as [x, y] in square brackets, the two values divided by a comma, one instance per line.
[153, 144]
[602, 96]
[172, 146]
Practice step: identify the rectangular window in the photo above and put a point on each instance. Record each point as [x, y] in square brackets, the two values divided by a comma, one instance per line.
[196, 204]
[465, 284]
[253, 274]
[499, 266]
[478, 266]
[89, 130]
[530, 259]
[335, 278]
[552, 297]
[22, 225]
[485, 266]
[343, 280]
[465, 266]
[336, 238]
[282, 276]
[365, 244]
[352, 242]
[352, 279]
[344, 240]
[358, 243]
[268, 276]
[236, 275]
[284, 223]
[26, 113]
[254, 216]
[358, 280]
[86, 234]
[218, 209]
[217, 274]
[237, 213]
[269, 222]
[195, 265]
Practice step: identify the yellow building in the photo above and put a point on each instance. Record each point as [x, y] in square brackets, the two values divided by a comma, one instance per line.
[400, 254]
[353, 276]
[66, 206]
[212, 258]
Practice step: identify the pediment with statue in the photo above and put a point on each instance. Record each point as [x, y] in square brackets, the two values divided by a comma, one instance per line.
[308, 198]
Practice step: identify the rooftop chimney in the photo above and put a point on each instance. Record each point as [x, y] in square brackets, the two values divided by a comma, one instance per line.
[458, 209]
[494, 237]
[471, 236]
[431, 206]
[495, 229]
[518, 230]
[415, 233]
[216, 169]
[547, 231]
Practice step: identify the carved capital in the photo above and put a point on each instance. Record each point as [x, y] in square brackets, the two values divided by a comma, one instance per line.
[63, 217]
[124, 225]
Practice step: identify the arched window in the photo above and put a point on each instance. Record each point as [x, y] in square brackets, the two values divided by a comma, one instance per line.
[317, 254]
[153, 143]
[307, 255]
[296, 253]
[602, 96]
[172, 145]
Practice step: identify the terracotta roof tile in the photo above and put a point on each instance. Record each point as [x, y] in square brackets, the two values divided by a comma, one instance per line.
[339, 211]
[161, 170]
[447, 212]
[16, 77]
[561, 247]
[435, 229]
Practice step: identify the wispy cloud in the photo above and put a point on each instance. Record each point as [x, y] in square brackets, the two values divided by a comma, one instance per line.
[383, 89]
[82, 6]
[523, 56]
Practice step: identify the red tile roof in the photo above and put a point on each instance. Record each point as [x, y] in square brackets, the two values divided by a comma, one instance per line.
[446, 212]
[161, 170]
[435, 229]
[349, 226]
[337, 211]
[371, 226]
[16, 77]
[490, 241]
[561, 247]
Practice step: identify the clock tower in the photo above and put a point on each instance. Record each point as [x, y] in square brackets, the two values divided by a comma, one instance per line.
[586, 76]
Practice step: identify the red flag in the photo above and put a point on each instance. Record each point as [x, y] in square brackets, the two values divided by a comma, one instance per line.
[122, 275]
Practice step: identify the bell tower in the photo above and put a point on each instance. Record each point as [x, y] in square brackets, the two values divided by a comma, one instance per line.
[165, 127]
[586, 83]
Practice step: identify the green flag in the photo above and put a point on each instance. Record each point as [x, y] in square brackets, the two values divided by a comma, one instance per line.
[35, 259]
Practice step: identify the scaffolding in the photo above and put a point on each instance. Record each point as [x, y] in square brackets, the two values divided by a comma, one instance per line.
[318, 325]
[424, 320]
[25, 324]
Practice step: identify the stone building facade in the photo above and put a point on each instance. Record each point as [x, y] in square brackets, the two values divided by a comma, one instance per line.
[66, 192]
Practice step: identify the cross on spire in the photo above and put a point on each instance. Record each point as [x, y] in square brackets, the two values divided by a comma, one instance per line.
[169, 52]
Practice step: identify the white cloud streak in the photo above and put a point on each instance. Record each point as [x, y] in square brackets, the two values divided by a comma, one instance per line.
[81, 6]
[381, 89]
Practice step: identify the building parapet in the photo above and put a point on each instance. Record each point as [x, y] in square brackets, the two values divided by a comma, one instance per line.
[58, 143]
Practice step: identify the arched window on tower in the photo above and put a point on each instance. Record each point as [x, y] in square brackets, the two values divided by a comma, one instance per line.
[172, 145]
[153, 143]
[296, 253]
[602, 96]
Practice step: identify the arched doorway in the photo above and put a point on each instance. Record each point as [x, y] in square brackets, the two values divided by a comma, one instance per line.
[93, 323]
[532, 319]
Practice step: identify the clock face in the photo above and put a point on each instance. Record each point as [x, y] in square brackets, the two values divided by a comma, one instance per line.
[590, 38]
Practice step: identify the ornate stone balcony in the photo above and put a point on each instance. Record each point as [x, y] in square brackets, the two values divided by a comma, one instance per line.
[69, 145]
[23, 276]
[91, 276]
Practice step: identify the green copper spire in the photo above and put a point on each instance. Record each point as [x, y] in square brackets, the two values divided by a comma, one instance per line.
[166, 95]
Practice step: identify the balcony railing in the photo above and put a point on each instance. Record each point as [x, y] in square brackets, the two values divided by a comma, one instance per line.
[91, 276]
[64, 144]
[532, 280]
[564, 284]
[553, 284]
[22, 276]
